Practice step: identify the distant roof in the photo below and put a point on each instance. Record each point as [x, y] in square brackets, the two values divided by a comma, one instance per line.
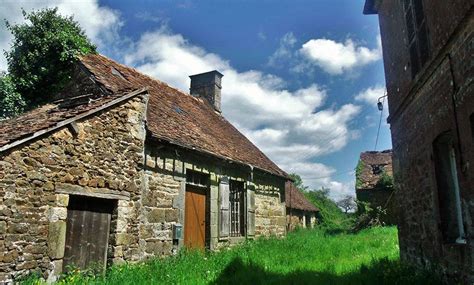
[374, 163]
[294, 199]
[172, 116]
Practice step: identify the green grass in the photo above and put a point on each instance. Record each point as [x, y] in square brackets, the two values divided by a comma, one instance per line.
[303, 257]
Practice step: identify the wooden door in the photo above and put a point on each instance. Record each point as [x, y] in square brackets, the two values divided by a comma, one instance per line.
[87, 232]
[195, 217]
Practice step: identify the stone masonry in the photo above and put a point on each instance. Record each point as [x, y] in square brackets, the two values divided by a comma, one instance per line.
[437, 99]
[103, 160]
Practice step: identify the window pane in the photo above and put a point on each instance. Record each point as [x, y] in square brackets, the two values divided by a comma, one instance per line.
[442, 147]
[423, 44]
[410, 25]
[415, 66]
[418, 7]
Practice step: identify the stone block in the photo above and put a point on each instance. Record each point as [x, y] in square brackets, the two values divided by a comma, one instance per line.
[62, 200]
[56, 268]
[57, 213]
[156, 216]
[3, 227]
[56, 239]
[171, 215]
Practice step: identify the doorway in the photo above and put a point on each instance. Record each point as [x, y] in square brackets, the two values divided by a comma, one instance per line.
[195, 217]
[87, 232]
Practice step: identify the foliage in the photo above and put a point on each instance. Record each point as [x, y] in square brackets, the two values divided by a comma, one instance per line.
[298, 181]
[331, 215]
[368, 217]
[347, 204]
[11, 102]
[43, 52]
[358, 172]
[385, 180]
[303, 257]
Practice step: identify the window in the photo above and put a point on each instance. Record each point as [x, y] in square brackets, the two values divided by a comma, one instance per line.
[237, 208]
[377, 169]
[448, 189]
[471, 119]
[197, 178]
[417, 34]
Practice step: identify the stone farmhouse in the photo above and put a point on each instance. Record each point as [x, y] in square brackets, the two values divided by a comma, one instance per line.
[372, 176]
[428, 58]
[300, 213]
[123, 167]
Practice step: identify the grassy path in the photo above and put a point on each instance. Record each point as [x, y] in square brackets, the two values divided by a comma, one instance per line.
[304, 257]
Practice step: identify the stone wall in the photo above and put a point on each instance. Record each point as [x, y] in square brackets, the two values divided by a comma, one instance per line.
[103, 160]
[297, 219]
[270, 214]
[420, 110]
[166, 167]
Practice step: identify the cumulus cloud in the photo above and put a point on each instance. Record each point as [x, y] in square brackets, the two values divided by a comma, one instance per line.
[291, 126]
[100, 23]
[370, 95]
[336, 57]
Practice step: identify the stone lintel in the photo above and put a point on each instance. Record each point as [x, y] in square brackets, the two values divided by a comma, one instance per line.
[104, 193]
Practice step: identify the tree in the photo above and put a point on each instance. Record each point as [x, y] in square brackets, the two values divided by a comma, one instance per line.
[11, 102]
[347, 204]
[43, 53]
[298, 182]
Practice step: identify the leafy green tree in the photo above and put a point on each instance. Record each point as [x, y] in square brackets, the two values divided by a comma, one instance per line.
[298, 181]
[11, 102]
[43, 53]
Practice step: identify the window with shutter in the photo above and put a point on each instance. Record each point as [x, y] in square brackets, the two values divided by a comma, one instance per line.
[237, 208]
[224, 218]
[417, 34]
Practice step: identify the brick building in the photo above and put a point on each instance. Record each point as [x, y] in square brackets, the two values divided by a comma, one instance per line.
[299, 211]
[111, 171]
[428, 59]
[374, 182]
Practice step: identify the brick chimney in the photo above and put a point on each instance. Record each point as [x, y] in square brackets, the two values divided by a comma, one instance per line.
[208, 85]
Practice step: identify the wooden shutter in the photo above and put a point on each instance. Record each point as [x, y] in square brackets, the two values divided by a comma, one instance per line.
[251, 210]
[224, 220]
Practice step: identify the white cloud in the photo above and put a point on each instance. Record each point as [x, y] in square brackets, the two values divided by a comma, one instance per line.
[337, 57]
[291, 126]
[284, 51]
[370, 95]
[100, 23]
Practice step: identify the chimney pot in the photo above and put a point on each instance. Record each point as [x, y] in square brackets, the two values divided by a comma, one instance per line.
[208, 85]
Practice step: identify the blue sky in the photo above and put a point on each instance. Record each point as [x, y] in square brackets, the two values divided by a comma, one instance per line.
[301, 78]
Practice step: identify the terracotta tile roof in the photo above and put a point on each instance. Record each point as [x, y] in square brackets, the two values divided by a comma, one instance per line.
[172, 116]
[50, 115]
[374, 163]
[294, 199]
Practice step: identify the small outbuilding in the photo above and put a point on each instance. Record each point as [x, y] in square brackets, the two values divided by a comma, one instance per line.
[374, 182]
[299, 211]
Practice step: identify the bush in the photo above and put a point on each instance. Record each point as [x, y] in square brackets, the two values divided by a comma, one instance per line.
[368, 217]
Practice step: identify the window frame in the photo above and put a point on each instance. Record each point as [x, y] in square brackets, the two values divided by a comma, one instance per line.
[419, 49]
[237, 208]
[449, 203]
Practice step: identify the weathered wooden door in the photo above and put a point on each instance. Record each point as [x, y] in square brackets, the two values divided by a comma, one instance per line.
[195, 217]
[87, 232]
